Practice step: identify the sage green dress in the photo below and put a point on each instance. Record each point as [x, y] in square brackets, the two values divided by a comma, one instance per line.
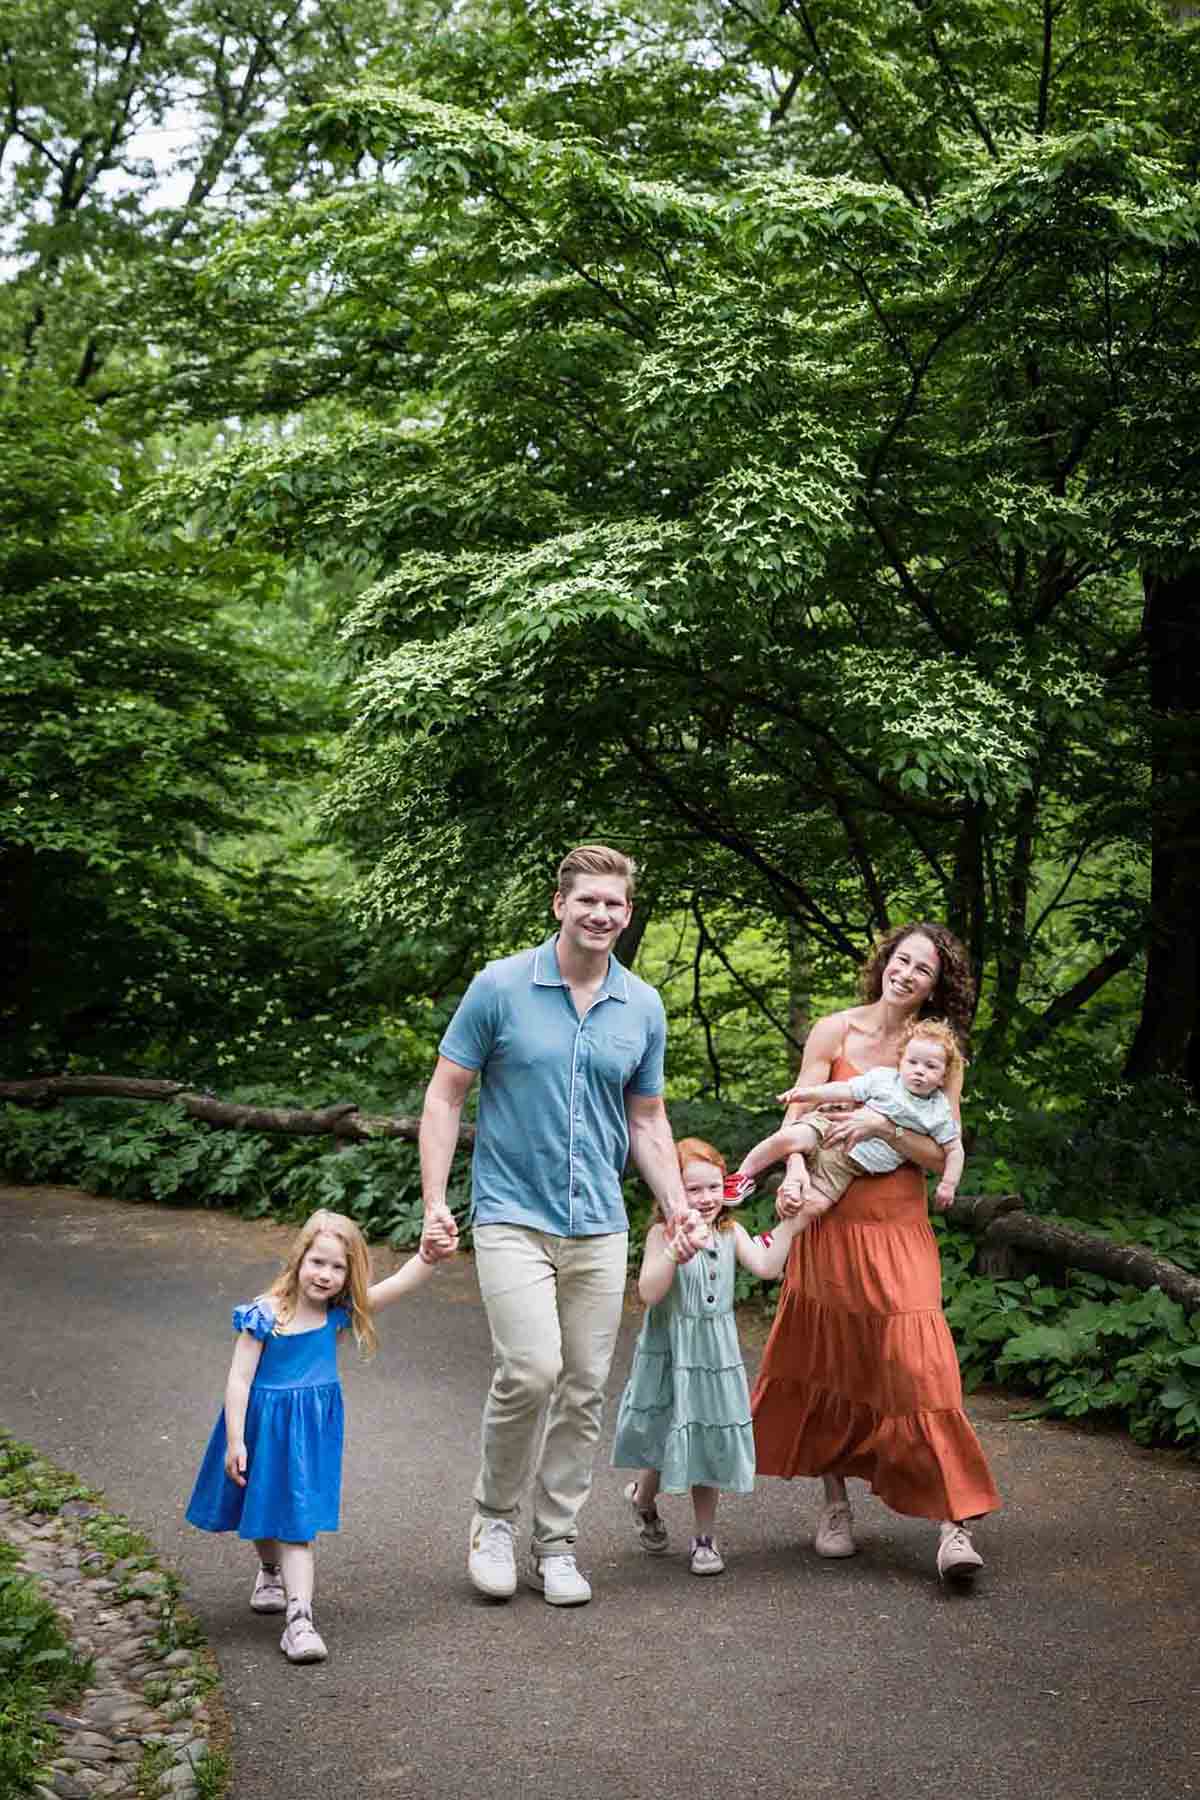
[686, 1406]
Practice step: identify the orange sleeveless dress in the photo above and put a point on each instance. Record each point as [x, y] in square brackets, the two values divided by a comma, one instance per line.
[860, 1375]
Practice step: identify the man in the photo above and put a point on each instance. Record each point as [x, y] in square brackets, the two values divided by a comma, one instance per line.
[569, 1046]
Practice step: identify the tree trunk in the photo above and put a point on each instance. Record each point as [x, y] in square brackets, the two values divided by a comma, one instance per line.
[967, 900]
[799, 1016]
[1011, 947]
[630, 941]
[1013, 1242]
[16, 940]
[1167, 1040]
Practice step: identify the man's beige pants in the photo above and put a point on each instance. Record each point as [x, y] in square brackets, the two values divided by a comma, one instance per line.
[554, 1308]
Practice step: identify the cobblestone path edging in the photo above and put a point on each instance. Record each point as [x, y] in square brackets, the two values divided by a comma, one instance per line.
[143, 1729]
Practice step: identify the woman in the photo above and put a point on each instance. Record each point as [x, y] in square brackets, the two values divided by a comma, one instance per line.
[860, 1376]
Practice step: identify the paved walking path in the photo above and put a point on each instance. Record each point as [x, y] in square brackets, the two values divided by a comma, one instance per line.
[1070, 1674]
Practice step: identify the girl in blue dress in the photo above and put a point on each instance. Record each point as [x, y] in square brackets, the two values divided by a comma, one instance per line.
[272, 1471]
[684, 1418]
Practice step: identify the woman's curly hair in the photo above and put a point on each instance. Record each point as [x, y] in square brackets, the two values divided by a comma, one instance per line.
[953, 997]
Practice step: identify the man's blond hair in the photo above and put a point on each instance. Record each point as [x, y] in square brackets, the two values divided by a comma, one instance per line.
[595, 859]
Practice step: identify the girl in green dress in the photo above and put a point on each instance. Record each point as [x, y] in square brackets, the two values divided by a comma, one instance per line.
[684, 1419]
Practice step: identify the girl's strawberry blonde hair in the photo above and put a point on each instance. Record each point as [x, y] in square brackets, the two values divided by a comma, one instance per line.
[285, 1289]
[690, 1150]
[938, 1031]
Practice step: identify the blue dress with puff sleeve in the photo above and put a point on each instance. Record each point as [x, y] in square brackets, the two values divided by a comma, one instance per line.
[294, 1430]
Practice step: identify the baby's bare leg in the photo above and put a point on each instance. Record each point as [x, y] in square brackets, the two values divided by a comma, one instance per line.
[789, 1140]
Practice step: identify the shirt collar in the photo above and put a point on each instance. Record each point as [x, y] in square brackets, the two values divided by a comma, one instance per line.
[546, 972]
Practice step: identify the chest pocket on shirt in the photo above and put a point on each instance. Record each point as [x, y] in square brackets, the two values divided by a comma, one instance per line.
[617, 1055]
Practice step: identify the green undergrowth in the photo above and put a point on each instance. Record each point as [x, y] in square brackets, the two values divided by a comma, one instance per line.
[156, 1153]
[38, 1669]
[38, 1666]
[135, 1151]
[1079, 1345]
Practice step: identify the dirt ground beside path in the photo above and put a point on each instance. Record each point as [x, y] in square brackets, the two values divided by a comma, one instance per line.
[1071, 1672]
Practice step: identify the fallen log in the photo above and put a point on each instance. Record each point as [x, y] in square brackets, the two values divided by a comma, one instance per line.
[342, 1120]
[1002, 1225]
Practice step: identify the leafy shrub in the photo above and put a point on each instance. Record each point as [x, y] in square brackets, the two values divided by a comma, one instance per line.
[1117, 1150]
[1084, 1347]
[157, 1153]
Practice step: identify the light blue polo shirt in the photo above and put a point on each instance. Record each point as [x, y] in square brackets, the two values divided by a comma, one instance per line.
[551, 1137]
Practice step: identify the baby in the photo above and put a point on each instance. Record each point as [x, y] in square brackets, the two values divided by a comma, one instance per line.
[910, 1098]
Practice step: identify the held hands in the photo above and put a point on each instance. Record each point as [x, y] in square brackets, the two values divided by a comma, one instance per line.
[235, 1463]
[686, 1232]
[439, 1238]
[795, 1190]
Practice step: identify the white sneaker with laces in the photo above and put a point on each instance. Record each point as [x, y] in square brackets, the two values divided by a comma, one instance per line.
[268, 1594]
[835, 1536]
[957, 1559]
[301, 1641]
[558, 1579]
[706, 1559]
[650, 1526]
[491, 1560]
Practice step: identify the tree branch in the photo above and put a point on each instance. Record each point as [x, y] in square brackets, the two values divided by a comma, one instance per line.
[717, 831]
[801, 12]
[954, 86]
[1078, 996]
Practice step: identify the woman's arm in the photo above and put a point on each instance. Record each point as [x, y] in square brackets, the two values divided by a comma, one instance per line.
[914, 1146]
[765, 1256]
[246, 1354]
[412, 1274]
[658, 1267]
[820, 1051]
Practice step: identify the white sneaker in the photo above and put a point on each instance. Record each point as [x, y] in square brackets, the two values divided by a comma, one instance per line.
[301, 1641]
[834, 1534]
[706, 1559]
[957, 1559]
[558, 1579]
[268, 1594]
[491, 1562]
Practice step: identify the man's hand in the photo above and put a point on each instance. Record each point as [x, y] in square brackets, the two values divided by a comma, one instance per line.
[439, 1235]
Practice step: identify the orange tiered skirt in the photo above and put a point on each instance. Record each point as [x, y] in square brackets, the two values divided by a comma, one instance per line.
[860, 1375]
